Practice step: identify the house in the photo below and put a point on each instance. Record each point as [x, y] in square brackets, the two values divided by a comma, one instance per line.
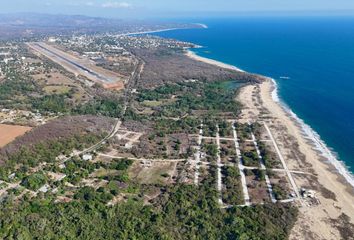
[87, 157]
[44, 188]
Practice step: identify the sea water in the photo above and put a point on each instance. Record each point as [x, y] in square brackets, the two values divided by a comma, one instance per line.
[310, 58]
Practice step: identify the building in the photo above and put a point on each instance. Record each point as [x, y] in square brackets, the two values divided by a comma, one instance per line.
[87, 157]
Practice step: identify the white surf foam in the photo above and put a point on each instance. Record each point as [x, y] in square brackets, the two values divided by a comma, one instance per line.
[315, 138]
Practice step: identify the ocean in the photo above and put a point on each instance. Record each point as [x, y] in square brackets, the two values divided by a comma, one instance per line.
[310, 58]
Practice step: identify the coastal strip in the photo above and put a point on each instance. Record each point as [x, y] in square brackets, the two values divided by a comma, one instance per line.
[148, 32]
[307, 132]
[196, 57]
[330, 179]
[314, 138]
[201, 25]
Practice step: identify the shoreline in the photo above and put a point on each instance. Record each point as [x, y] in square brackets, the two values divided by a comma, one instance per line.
[148, 32]
[310, 134]
[189, 53]
[201, 25]
[334, 193]
[307, 131]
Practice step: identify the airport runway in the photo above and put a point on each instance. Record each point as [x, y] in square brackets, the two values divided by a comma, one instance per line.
[73, 64]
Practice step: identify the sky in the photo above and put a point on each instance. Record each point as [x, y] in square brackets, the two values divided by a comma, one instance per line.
[173, 8]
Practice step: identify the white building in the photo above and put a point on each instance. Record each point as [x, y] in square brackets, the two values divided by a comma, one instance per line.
[87, 157]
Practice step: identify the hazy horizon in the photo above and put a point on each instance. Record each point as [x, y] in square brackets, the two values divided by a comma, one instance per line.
[140, 9]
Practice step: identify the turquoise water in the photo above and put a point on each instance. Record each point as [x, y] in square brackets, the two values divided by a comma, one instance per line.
[316, 54]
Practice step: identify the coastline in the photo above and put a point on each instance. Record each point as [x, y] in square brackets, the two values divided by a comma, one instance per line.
[333, 190]
[148, 32]
[201, 25]
[189, 53]
[307, 132]
[315, 138]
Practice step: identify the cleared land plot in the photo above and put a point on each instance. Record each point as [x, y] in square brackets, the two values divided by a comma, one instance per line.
[168, 146]
[154, 173]
[228, 152]
[257, 186]
[280, 185]
[54, 77]
[261, 133]
[269, 156]
[56, 89]
[8, 133]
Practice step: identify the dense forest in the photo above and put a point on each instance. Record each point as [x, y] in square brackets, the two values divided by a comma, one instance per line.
[182, 212]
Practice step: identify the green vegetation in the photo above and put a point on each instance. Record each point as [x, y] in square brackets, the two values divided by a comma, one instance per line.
[21, 91]
[16, 90]
[211, 149]
[44, 152]
[34, 181]
[208, 97]
[244, 131]
[269, 158]
[250, 158]
[209, 127]
[171, 211]
[52, 103]
[182, 212]
[104, 107]
[89, 194]
[159, 93]
[187, 125]
[233, 188]
[225, 129]
[120, 164]
[279, 192]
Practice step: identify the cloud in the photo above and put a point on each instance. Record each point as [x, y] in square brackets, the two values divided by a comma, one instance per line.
[116, 5]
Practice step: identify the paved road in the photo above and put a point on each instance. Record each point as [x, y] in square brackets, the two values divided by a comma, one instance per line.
[70, 63]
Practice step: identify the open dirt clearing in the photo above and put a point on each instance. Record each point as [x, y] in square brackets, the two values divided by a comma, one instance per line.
[8, 133]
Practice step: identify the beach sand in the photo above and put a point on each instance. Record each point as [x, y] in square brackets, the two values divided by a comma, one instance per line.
[317, 221]
[194, 56]
[332, 216]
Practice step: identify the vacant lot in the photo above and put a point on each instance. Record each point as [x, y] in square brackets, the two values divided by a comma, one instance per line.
[9, 132]
[157, 173]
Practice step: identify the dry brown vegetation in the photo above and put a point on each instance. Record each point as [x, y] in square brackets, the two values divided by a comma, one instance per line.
[165, 66]
[59, 129]
[9, 132]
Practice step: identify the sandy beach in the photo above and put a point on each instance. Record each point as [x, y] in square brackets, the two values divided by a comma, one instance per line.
[194, 56]
[333, 216]
[148, 32]
[325, 220]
